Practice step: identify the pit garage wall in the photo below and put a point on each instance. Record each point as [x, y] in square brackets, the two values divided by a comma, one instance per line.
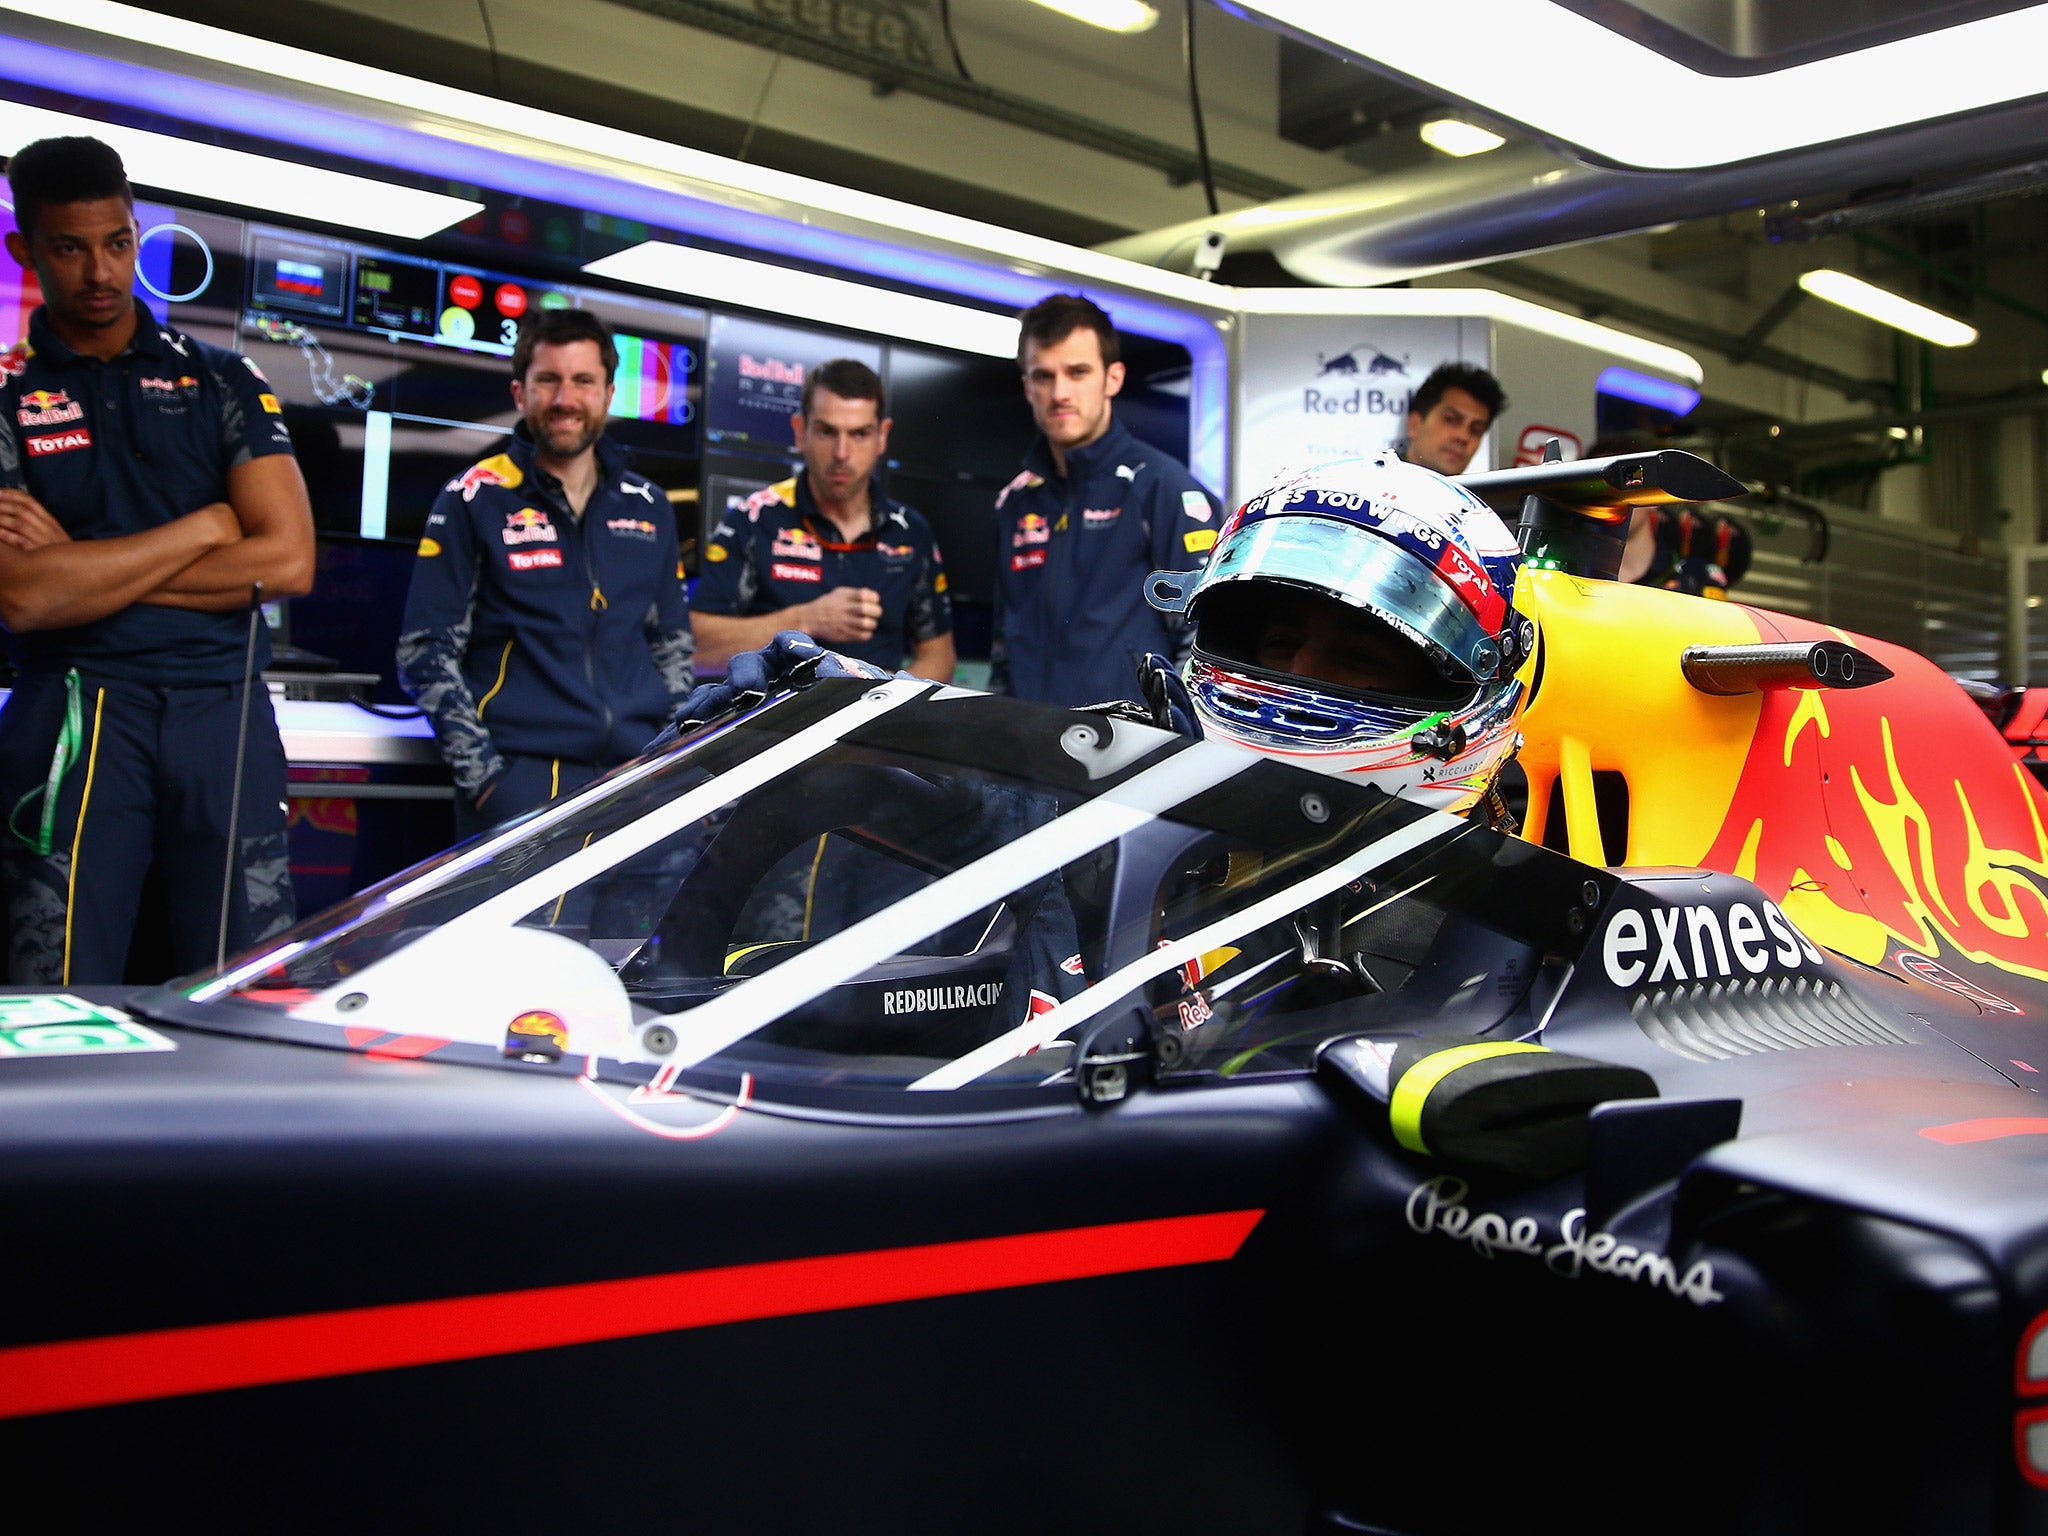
[1914, 586]
[1312, 388]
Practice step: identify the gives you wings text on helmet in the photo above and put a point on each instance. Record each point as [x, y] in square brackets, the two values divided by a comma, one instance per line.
[1360, 618]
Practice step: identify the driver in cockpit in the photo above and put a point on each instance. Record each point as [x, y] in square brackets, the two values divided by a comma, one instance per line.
[1359, 619]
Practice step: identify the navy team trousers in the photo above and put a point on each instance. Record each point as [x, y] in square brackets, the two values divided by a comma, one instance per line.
[149, 784]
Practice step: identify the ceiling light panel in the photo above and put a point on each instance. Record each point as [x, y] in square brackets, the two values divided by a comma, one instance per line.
[1887, 308]
[253, 181]
[1110, 15]
[1538, 63]
[1456, 137]
[831, 301]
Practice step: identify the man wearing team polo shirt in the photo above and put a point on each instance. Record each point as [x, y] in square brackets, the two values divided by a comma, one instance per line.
[825, 552]
[146, 485]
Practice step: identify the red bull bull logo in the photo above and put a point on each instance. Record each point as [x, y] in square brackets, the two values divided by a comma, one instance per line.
[1889, 823]
[1031, 529]
[47, 408]
[497, 471]
[529, 525]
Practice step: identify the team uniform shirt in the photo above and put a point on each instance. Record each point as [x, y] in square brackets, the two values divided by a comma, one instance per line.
[531, 631]
[779, 550]
[1072, 555]
[118, 447]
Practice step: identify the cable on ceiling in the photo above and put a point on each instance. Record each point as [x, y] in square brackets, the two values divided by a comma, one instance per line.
[952, 42]
[491, 38]
[1187, 50]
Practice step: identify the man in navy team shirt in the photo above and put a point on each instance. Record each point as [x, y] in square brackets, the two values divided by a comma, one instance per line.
[1093, 514]
[545, 631]
[146, 483]
[825, 551]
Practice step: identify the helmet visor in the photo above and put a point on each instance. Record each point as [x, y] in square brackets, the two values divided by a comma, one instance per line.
[1364, 571]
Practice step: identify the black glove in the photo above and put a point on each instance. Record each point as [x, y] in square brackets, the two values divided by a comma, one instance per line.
[791, 660]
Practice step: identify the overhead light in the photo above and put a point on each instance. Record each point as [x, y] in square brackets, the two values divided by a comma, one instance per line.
[254, 181]
[2044, 375]
[1110, 15]
[1897, 434]
[1660, 394]
[1887, 308]
[1456, 137]
[809, 296]
[1509, 56]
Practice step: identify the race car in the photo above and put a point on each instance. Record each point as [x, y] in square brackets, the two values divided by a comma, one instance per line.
[897, 1107]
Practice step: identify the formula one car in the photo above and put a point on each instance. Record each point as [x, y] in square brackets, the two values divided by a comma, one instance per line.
[894, 1107]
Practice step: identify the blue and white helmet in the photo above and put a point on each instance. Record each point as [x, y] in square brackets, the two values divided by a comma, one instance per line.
[1419, 555]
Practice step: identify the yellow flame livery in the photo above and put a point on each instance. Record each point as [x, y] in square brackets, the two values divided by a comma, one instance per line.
[1884, 819]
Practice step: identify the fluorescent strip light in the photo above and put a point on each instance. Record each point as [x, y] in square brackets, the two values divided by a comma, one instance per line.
[1887, 308]
[1510, 57]
[1110, 15]
[1459, 138]
[1659, 394]
[808, 296]
[254, 181]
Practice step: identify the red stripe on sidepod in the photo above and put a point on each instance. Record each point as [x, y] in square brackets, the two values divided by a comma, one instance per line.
[1992, 1128]
[174, 1362]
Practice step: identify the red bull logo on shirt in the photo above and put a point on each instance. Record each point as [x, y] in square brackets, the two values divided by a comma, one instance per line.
[529, 525]
[797, 544]
[1031, 529]
[632, 527]
[47, 408]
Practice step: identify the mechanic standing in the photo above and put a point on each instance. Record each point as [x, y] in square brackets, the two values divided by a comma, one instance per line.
[825, 552]
[546, 633]
[1450, 414]
[146, 484]
[1094, 511]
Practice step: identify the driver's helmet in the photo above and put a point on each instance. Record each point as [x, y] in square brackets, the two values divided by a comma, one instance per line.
[1395, 588]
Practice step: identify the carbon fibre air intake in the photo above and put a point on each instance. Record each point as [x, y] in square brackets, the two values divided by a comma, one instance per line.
[1573, 515]
[1503, 1107]
[1729, 671]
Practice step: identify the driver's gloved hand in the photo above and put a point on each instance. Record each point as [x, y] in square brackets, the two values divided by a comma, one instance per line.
[1167, 705]
[791, 660]
[1167, 694]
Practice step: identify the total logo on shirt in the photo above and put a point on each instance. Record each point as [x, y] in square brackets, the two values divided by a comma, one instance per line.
[533, 559]
[784, 572]
[47, 408]
[59, 442]
[529, 525]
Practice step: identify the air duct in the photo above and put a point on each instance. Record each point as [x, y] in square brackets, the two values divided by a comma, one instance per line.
[1448, 215]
